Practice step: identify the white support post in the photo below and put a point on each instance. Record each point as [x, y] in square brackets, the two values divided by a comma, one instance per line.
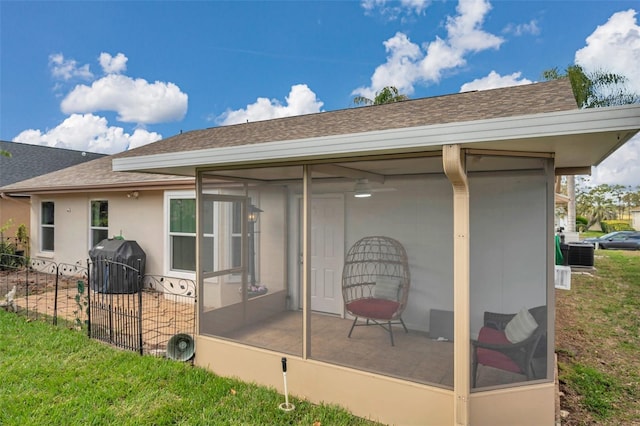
[454, 167]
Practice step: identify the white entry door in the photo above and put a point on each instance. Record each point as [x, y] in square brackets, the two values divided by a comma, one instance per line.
[327, 253]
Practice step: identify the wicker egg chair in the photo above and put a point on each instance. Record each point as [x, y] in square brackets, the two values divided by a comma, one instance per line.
[375, 283]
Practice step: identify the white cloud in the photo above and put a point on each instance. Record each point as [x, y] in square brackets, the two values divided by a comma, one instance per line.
[88, 132]
[409, 64]
[301, 100]
[135, 100]
[530, 27]
[401, 69]
[494, 80]
[113, 64]
[622, 167]
[66, 69]
[392, 10]
[615, 47]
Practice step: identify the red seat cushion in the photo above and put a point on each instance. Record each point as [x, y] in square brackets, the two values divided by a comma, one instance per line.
[493, 358]
[381, 309]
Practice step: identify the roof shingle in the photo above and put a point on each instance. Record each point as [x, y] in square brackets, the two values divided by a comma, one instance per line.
[546, 97]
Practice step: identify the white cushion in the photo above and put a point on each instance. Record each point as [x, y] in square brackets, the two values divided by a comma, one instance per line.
[386, 288]
[520, 327]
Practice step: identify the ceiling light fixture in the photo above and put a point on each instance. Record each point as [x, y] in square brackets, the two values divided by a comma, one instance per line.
[362, 189]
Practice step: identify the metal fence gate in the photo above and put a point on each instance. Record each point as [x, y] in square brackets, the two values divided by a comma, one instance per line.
[115, 305]
[109, 301]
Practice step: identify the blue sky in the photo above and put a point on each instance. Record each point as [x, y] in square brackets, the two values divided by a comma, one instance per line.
[106, 76]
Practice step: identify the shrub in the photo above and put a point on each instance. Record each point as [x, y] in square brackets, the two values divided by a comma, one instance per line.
[7, 255]
[581, 223]
[615, 225]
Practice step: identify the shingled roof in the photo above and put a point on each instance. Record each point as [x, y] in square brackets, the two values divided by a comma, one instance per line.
[551, 96]
[93, 175]
[513, 101]
[27, 160]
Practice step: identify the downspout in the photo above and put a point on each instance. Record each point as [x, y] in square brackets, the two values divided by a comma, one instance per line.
[453, 159]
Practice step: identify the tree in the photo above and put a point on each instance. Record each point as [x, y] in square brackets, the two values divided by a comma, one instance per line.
[387, 95]
[604, 202]
[597, 204]
[4, 153]
[595, 89]
[592, 90]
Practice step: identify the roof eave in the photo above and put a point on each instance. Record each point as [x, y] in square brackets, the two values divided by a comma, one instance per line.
[126, 186]
[422, 138]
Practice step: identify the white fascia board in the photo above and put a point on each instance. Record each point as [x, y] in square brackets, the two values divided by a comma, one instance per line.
[579, 121]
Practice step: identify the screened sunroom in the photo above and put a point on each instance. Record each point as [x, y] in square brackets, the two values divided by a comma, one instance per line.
[400, 257]
[256, 223]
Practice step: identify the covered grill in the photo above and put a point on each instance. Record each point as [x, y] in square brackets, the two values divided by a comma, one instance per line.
[117, 266]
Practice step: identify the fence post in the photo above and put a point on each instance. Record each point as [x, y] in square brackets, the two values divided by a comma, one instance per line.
[139, 285]
[55, 300]
[89, 298]
[26, 296]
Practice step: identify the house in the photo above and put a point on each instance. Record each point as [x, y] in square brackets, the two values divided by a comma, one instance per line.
[635, 218]
[27, 161]
[75, 208]
[464, 183]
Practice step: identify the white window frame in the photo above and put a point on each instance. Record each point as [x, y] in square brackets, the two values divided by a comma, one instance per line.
[182, 195]
[168, 196]
[223, 239]
[43, 226]
[97, 228]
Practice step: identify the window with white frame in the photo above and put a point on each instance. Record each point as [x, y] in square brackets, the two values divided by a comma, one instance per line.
[99, 221]
[181, 213]
[47, 226]
[182, 234]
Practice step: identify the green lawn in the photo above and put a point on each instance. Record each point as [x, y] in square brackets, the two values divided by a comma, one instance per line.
[598, 342]
[55, 376]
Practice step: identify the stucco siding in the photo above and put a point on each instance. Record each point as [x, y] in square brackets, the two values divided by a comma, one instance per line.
[138, 219]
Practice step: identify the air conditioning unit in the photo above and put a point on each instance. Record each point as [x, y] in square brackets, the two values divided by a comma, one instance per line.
[581, 254]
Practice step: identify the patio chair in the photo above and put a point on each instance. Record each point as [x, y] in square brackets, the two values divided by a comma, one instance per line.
[497, 347]
[375, 283]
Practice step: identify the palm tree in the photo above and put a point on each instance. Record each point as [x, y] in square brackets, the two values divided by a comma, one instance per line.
[591, 90]
[596, 89]
[387, 95]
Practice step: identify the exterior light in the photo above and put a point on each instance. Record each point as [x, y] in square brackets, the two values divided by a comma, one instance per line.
[254, 212]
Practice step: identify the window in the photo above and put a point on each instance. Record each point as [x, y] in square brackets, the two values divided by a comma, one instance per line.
[99, 221]
[47, 226]
[182, 234]
[181, 208]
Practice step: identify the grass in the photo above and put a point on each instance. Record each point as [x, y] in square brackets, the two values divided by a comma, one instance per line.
[591, 234]
[55, 376]
[598, 342]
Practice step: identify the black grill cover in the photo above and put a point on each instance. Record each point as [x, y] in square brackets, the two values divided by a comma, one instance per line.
[107, 277]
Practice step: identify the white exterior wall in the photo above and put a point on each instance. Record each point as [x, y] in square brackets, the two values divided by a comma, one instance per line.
[421, 219]
[508, 222]
[635, 220]
[138, 219]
